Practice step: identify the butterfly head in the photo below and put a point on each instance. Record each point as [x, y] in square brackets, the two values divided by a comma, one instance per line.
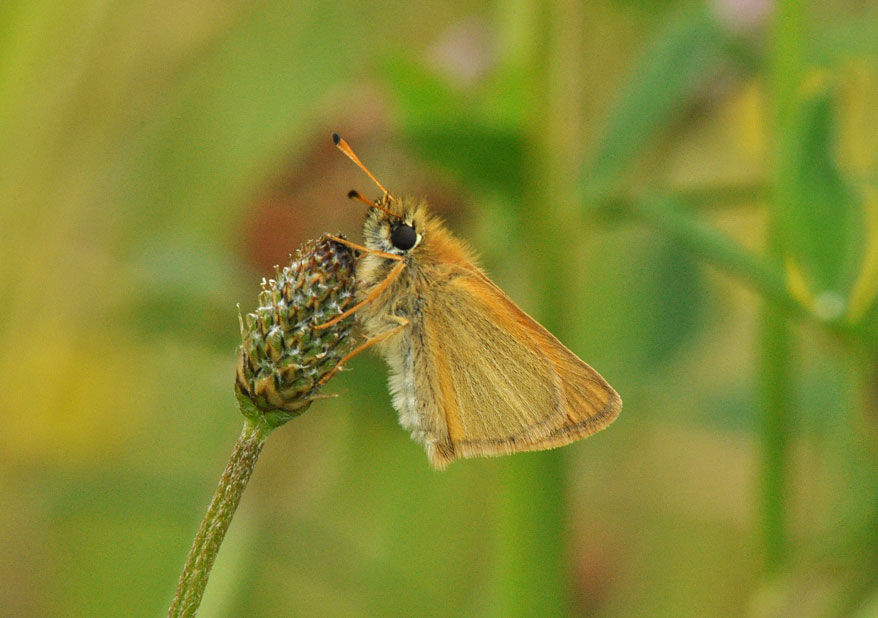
[404, 226]
[395, 225]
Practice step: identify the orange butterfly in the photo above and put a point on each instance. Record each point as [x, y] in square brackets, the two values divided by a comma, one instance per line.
[471, 374]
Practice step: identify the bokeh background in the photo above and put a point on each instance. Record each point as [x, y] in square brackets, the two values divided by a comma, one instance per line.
[686, 193]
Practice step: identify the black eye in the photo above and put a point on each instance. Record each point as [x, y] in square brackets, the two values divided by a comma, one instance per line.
[403, 237]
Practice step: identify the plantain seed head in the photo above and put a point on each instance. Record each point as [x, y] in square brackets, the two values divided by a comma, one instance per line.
[282, 358]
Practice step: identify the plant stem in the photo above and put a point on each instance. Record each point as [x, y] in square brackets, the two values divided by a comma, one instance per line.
[531, 570]
[713, 247]
[705, 199]
[785, 73]
[219, 515]
[762, 275]
[776, 394]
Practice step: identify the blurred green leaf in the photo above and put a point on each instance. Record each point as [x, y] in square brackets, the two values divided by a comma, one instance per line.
[869, 607]
[823, 220]
[676, 300]
[658, 297]
[683, 56]
[476, 155]
[869, 319]
[460, 131]
[423, 96]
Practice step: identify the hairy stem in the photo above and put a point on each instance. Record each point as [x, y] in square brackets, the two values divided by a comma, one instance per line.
[219, 515]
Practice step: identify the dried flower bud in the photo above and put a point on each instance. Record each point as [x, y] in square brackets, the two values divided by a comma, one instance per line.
[282, 358]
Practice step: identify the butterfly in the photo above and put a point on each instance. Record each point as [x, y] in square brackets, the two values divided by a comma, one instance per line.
[471, 374]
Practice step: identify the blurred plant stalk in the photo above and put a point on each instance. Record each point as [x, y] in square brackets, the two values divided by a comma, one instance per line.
[533, 521]
[785, 69]
[283, 362]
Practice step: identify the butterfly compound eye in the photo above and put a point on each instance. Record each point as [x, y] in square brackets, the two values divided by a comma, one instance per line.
[403, 237]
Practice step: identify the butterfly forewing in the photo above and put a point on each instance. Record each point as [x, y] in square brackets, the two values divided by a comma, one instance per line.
[502, 383]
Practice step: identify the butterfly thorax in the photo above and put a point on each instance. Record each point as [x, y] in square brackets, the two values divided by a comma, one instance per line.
[435, 259]
[435, 256]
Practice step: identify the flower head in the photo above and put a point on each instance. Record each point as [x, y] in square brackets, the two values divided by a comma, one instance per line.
[283, 358]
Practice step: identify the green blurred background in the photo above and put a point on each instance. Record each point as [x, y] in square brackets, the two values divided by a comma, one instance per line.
[686, 193]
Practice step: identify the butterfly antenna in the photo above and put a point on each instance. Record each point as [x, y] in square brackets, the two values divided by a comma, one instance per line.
[355, 195]
[343, 146]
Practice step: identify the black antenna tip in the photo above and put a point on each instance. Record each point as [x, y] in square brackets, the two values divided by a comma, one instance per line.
[353, 193]
[335, 139]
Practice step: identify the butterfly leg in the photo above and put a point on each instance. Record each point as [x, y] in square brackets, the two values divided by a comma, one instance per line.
[403, 322]
[393, 274]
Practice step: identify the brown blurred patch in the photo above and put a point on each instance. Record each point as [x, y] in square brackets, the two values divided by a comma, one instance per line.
[595, 571]
[305, 199]
[307, 196]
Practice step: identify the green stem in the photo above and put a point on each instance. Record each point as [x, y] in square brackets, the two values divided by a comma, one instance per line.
[705, 199]
[531, 569]
[715, 248]
[776, 425]
[531, 573]
[764, 276]
[219, 515]
[785, 73]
